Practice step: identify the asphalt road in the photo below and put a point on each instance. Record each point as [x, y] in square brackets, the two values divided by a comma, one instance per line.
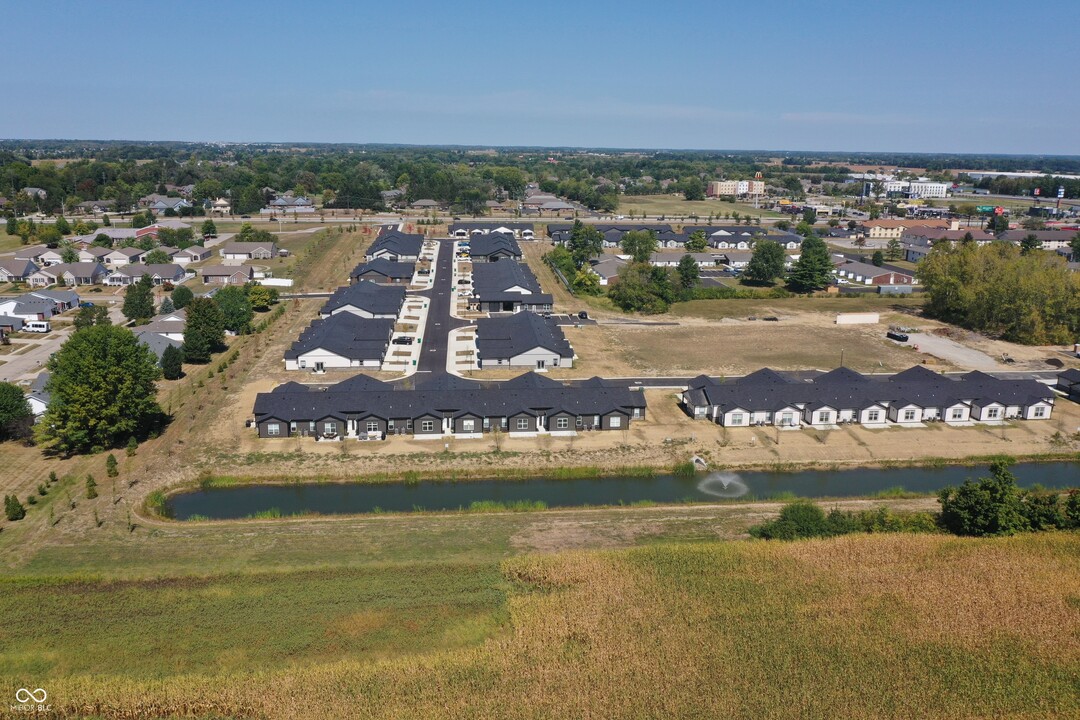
[436, 335]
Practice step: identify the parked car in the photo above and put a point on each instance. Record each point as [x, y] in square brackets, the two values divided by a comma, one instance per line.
[583, 315]
[403, 340]
[86, 304]
[897, 336]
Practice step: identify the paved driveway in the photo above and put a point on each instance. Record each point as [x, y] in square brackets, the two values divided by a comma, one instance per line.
[954, 352]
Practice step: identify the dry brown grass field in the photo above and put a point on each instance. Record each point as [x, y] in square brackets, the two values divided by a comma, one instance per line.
[871, 626]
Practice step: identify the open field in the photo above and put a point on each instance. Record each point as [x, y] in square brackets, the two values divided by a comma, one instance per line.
[897, 626]
[673, 206]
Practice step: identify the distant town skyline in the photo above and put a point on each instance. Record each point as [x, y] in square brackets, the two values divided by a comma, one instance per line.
[987, 77]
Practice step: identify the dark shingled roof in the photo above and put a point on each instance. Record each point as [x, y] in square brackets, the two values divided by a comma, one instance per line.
[365, 295]
[401, 244]
[451, 396]
[767, 390]
[382, 266]
[498, 277]
[493, 243]
[506, 337]
[347, 335]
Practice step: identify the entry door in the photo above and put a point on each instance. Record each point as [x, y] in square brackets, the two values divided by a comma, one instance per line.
[319, 367]
[539, 364]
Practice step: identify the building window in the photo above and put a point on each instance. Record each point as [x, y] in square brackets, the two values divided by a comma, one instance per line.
[273, 429]
[408, 424]
[373, 426]
[523, 423]
[909, 415]
[292, 427]
[487, 423]
[616, 422]
[427, 426]
[787, 419]
[330, 427]
[1040, 411]
[579, 422]
[993, 413]
[873, 416]
[825, 417]
[562, 423]
[637, 412]
[956, 414]
[468, 425]
[736, 418]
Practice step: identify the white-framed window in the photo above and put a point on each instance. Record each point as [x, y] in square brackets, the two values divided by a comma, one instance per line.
[873, 416]
[1039, 412]
[736, 418]
[408, 424]
[909, 415]
[616, 421]
[427, 425]
[956, 414]
[562, 423]
[292, 427]
[579, 422]
[373, 426]
[273, 429]
[523, 423]
[468, 425]
[487, 423]
[637, 412]
[825, 416]
[330, 427]
[787, 419]
[993, 413]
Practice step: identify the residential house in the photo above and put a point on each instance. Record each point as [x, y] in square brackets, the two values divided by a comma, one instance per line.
[79, 273]
[10, 324]
[16, 270]
[364, 408]
[52, 256]
[249, 250]
[37, 396]
[341, 340]
[365, 299]
[1048, 239]
[94, 253]
[28, 308]
[866, 274]
[396, 247]
[123, 256]
[160, 203]
[115, 234]
[157, 342]
[159, 274]
[606, 268]
[507, 287]
[425, 204]
[672, 259]
[493, 247]
[910, 398]
[63, 299]
[194, 253]
[221, 206]
[32, 253]
[227, 274]
[1068, 382]
[384, 272]
[96, 206]
[522, 340]
[168, 325]
[520, 230]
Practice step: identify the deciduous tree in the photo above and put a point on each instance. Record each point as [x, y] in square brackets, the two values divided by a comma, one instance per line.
[639, 244]
[814, 269]
[101, 389]
[15, 413]
[766, 262]
[235, 309]
[204, 332]
[182, 296]
[139, 299]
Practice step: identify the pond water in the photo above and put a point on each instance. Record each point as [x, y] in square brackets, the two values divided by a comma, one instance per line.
[347, 498]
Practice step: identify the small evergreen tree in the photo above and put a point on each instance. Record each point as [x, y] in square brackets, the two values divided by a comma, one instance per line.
[172, 361]
[166, 306]
[13, 509]
[91, 487]
[111, 468]
[878, 258]
[132, 446]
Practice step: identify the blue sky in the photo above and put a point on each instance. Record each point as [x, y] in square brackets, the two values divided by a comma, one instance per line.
[931, 76]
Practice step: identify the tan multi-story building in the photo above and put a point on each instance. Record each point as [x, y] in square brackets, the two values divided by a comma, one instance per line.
[719, 188]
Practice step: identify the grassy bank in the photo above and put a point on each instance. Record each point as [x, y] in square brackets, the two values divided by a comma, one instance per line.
[897, 626]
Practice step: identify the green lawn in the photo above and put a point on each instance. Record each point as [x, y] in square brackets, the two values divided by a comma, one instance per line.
[736, 308]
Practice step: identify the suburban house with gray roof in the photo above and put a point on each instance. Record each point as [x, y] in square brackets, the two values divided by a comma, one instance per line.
[69, 274]
[365, 299]
[522, 340]
[170, 325]
[384, 272]
[159, 274]
[842, 396]
[227, 274]
[507, 287]
[493, 247]
[194, 253]
[16, 270]
[521, 231]
[341, 341]
[249, 250]
[365, 408]
[396, 247]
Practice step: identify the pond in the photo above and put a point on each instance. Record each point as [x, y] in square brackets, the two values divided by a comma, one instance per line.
[433, 495]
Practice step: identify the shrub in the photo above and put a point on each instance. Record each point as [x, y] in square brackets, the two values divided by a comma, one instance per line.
[1072, 509]
[132, 446]
[91, 487]
[13, 509]
[800, 519]
[42, 490]
[111, 468]
[987, 506]
[1043, 510]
